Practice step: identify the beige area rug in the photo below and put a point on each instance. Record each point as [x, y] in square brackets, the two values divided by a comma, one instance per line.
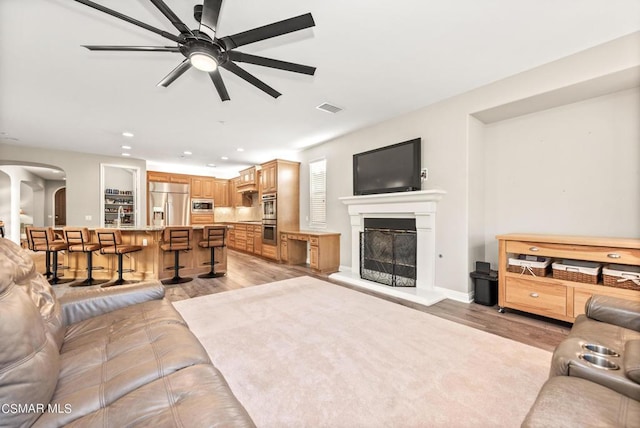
[306, 353]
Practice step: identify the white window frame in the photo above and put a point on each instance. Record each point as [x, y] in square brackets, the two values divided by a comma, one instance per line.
[318, 193]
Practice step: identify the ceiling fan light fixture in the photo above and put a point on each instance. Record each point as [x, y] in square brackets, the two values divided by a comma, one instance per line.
[203, 61]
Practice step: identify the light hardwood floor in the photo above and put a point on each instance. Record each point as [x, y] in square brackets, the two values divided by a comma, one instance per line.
[246, 271]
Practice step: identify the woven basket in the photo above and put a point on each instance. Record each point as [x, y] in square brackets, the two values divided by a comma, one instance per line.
[621, 276]
[527, 270]
[569, 275]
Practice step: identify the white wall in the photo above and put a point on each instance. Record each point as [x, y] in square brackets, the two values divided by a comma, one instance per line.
[450, 138]
[83, 177]
[571, 170]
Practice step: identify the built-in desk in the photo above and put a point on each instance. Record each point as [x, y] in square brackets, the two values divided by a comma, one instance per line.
[324, 249]
[151, 262]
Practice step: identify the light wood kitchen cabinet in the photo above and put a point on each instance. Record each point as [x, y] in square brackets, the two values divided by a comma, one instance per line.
[257, 240]
[200, 219]
[248, 180]
[282, 178]
[241, 237]
[202, 187]
[162, 177]
[221, 193]
[231, 237]
[167, 177]
[250, 241]
[180, 178]
[270, 251]
[238, 199]
[553, 297]
[269, 177]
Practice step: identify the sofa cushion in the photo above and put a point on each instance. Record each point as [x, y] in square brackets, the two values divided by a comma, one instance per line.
[29, 359]
[193, 397]
[573, 402]
[632, 360]
[95, 375]
[100, 330]
[36, 286]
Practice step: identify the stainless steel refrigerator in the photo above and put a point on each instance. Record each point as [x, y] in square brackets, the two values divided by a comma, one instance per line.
[168, 204]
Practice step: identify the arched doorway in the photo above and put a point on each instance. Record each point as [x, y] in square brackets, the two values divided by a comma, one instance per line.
[27, 195]
[60, 207]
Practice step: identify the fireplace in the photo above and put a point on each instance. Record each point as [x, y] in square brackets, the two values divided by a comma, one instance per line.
[388, 249]
[420, 208]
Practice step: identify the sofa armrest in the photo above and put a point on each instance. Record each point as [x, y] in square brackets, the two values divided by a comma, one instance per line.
[613, 310]
[90, 303]
[632, 360]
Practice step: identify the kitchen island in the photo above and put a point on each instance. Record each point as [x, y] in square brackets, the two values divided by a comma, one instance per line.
[149, 264]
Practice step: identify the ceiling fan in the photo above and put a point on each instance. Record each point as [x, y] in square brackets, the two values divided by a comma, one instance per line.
[207, 52]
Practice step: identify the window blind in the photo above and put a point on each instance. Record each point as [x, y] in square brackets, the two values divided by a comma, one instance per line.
[318, 180]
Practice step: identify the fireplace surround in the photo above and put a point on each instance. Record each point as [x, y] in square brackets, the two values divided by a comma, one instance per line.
[420, 206]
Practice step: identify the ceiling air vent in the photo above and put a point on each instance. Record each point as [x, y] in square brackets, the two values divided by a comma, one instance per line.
[329, 108]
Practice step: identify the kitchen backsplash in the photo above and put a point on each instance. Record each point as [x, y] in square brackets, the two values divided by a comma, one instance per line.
[227, 214]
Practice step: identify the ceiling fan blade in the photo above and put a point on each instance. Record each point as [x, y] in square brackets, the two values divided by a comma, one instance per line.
[129, 20]
[166, 11]
[268, 31]
[272, 63]
[175, 73]
[132, 48]
[210, 15]
[233, 67]
[216, 78]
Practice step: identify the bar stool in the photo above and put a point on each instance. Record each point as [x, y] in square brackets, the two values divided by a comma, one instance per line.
[111, 243]
[176, 239]
[79, 241]
[213, 237]
[43, 239]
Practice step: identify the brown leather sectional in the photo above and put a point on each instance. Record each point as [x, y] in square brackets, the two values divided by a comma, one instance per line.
[108, 357]
[595, 372]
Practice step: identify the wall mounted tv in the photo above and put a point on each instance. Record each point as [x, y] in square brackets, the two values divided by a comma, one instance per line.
[394, 168]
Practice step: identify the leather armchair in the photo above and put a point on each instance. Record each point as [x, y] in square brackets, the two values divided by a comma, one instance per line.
[595, 372]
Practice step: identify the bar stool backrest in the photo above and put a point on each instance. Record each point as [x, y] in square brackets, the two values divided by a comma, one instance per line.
[178, 237]
[215, 236]
[38, 238]
[109, 238]
[77, 235]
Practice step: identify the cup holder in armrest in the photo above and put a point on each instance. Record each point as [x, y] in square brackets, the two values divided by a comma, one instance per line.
[600, 350]
[599, 362]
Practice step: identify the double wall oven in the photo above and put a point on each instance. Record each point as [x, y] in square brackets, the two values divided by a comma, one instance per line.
[269, 219]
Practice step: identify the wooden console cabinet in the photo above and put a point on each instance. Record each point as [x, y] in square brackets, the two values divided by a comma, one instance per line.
[555, 298]
[324, 249]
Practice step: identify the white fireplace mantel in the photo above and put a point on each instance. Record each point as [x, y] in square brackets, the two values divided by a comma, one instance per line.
[419, 205]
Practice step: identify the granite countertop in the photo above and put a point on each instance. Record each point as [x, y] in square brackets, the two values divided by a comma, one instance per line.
[143, 228]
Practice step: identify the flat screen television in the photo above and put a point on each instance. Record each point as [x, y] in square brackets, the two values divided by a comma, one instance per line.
[394, 168]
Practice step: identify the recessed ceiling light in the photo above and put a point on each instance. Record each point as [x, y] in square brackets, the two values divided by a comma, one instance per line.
[212, 165]
[126, 147]
[187, 153]
[224, 158]
[126, 154]
[127, 134]
[240, 149]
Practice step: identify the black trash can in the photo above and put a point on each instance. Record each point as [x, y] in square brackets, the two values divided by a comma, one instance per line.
[485, 284]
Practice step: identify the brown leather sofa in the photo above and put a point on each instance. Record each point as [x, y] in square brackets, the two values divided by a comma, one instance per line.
[595, 372]
[110, 357]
